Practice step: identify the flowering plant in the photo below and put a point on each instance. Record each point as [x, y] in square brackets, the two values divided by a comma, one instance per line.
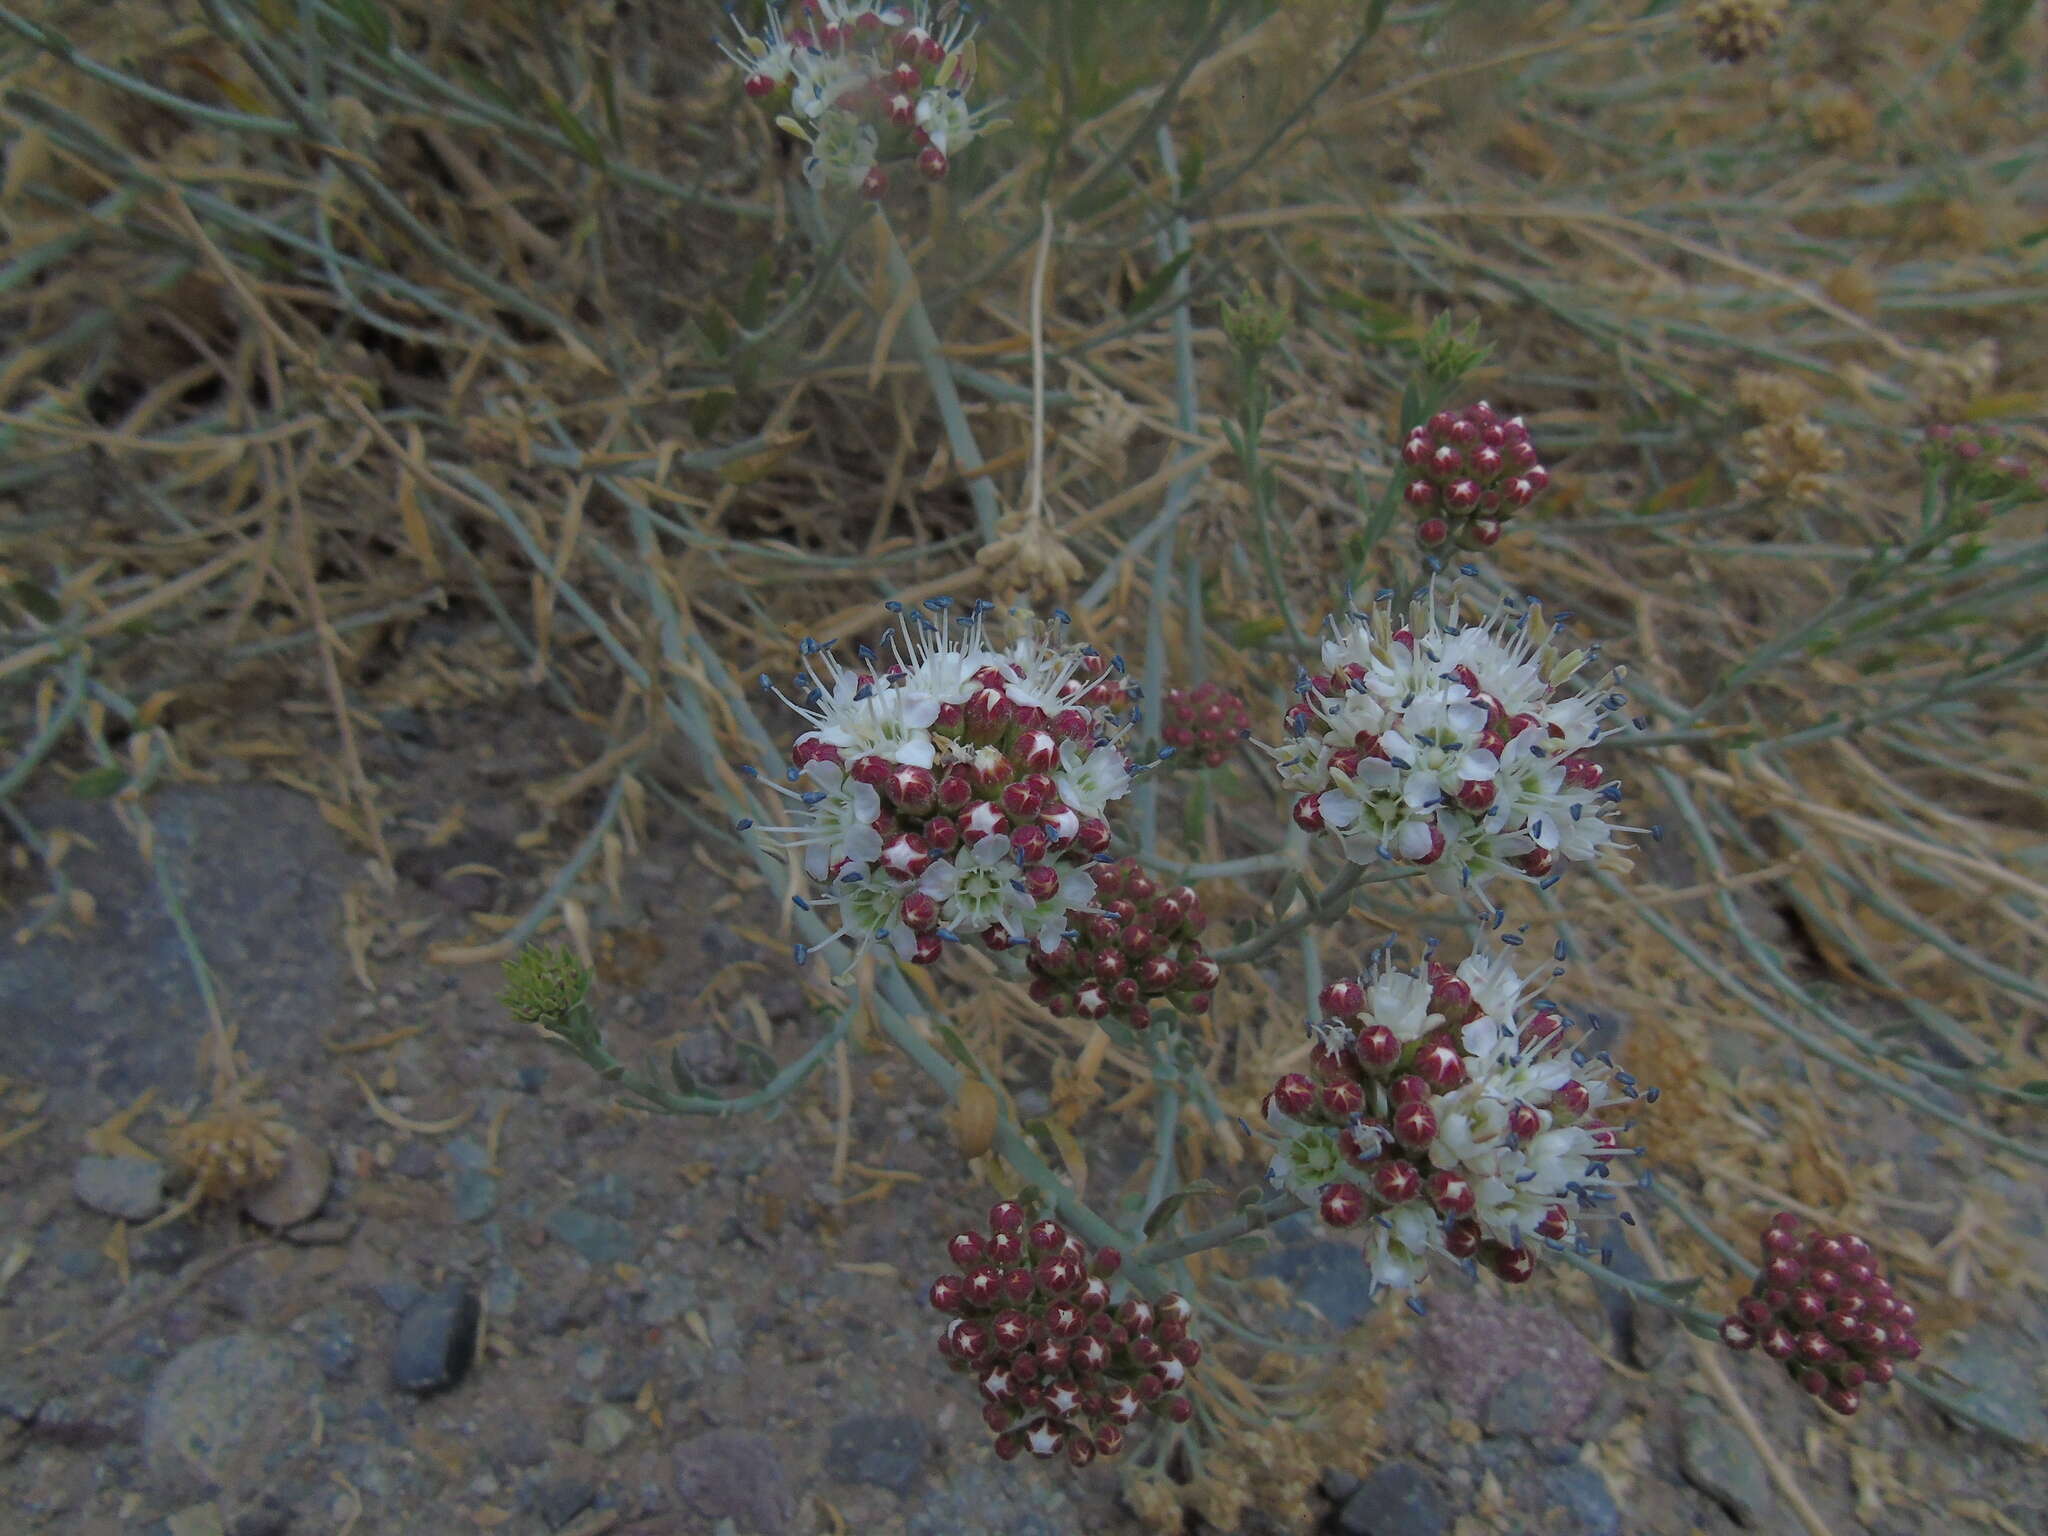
[1062, 1369]
[955, 790]
[1468, 748]
[1446, 1115]
[865, 86]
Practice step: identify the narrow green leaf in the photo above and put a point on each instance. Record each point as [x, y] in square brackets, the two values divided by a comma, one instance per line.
[708, 410]
[38, 603]
[580, 138]
[716, 330]
[1167, 1208]
[1252, 631]
[950, 1038]
[607, 95]
[1164, 1212]
[1153, 289]
[754, 302]
[99, 783]
[369, 20]
[760, 1066]
[680, 1073]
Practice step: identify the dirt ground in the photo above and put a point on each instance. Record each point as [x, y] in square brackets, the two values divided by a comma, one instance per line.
[686, 1328]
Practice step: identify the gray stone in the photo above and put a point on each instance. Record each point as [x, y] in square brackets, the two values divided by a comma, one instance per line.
[19, 1399]
[476, 1195]
[164, 1250]
[501, 1290]
[1398, 1499]
[398, 1295]
[1524, 1404]
[326, 1232]
[1582, 1495]
[1997, 1366]
[131, 1188]
[558, 1500]
[602, 1240]
[606, 1428]
[270, 1516]
[668, 1297]
[298, 1191]
[436, 1340]
[737, 1475]
[887, 1450]
[337, 1354]
[1327, 1276]
[1337, 1484]
[1642, 1333]
[1473, 1345]
[223, 1412]
[976, 1499]
[1717, 1459]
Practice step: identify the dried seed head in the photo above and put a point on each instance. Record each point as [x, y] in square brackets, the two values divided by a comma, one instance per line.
[1731, 31]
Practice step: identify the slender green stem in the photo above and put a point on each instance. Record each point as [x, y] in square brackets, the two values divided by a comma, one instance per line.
[924, 341]
[1254, 1218]
[60, 720]
[1330, 903]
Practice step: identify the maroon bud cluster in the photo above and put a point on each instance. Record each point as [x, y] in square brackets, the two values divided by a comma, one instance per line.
[1108, 685]
[894, 73]
[1204, 723]
[1820, 1305]
[1063, 1370]
[1984, 467]
[1378, 1085]
[1140, 949]
[1468, 472]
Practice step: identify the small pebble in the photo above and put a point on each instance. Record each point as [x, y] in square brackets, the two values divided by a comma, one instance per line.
[131, 1188]
[298, 1191]
[436, 1340]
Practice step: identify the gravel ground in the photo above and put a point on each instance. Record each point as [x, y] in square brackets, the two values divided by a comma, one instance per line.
[553, 1316]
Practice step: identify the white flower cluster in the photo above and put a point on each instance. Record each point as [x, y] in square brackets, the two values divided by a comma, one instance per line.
[1463, 747]
[1446, 1115]
[864, 84]
[955, 789]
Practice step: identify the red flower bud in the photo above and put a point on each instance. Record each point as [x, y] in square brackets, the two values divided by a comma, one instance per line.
[1415, 1125]
[1451, 1193]
[1342, 1098]
[1342, 999]
[1514, 1265]
[1294, 1095]
[1440, 1066]
[1342, 1205]
[1395, 1181]
[1377, 1047]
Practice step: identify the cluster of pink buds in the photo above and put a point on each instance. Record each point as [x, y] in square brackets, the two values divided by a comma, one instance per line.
[1203, 723]
[950, 789]
[1062, 1370]
[1140, 948]
[1464, 747]
[1985, 466]
[1820, 1305]
[865, 85]
[1469, 472]
[1442, 1114]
